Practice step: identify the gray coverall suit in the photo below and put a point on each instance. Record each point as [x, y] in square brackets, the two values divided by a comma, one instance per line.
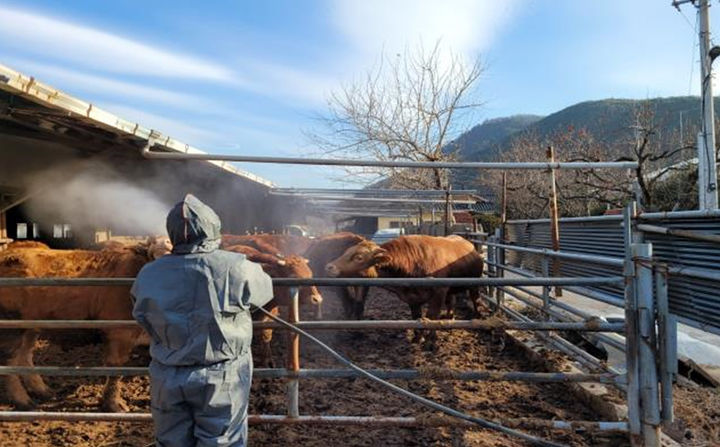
[195, 305]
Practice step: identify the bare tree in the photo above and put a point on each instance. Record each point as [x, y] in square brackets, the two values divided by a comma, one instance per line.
[409, 109]
[659, 155]
[585, 192]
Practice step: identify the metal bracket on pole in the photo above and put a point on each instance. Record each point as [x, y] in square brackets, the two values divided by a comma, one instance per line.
[631, 349]
[667, 345]
[500, 260]
[293, 384]
[647, 346]
[545, 265]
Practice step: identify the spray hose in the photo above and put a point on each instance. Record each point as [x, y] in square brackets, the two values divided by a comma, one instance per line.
[421, 400]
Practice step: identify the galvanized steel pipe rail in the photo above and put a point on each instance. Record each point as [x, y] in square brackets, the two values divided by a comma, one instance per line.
[329, 373]
[147, 153]
[370, 421]
[419, 399]
[379, 282]
[368, 325]
[607, 260]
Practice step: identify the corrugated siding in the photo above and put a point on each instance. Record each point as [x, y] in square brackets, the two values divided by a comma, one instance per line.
[692, 298]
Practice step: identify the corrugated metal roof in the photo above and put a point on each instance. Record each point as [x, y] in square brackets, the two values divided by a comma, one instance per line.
[28, 87]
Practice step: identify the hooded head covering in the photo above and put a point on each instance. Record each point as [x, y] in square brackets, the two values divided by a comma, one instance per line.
[193, 227]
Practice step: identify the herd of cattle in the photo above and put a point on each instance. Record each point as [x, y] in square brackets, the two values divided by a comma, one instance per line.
[281, 256]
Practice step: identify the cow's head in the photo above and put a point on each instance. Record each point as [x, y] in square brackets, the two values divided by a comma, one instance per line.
[357, 260]
[158, 246]
[294, 266]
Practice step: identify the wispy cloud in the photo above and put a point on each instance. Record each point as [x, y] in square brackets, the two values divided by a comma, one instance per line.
[103, 85]
[466, 26]
[93, 48]
[293, 85]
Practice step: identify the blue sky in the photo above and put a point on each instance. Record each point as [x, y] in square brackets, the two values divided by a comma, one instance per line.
[249, 77]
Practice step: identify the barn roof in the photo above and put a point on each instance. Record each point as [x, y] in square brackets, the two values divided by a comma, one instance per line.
[29, 103]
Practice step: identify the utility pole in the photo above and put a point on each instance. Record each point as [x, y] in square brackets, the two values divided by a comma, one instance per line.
[707, 171]
[707, 165]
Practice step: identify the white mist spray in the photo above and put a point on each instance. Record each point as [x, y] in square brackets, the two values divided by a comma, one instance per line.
[92, 196]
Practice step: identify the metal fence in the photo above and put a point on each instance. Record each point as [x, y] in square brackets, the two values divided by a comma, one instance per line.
[630, 280]
[693, 263]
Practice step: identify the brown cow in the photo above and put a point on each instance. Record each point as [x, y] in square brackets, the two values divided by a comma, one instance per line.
[291, 266]
[71, 303]
[328, 248]
[415, 257]
[17, 245]
[157, 245]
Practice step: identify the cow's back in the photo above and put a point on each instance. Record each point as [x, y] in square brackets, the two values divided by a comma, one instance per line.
[68, 302]
[286, 244]
[440, 257]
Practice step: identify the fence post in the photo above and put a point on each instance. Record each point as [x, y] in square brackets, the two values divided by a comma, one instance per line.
[631, 344]
[667, 345]
[491, 257]
[554, 220]
[293, 359]
[500, 272]
[647, 346]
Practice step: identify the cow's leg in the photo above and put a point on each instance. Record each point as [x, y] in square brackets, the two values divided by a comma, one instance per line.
[348, 301]
[14, 387]
[34, 382]
[360, 297]
[416, 313]
[119, 345]
[436, 300]
[266, 357]
[476, 300]
[450, 300]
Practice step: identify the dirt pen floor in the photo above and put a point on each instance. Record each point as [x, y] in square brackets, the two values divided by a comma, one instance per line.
[387, 349]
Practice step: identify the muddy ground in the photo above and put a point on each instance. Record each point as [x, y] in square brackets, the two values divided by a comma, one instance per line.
[387, 349]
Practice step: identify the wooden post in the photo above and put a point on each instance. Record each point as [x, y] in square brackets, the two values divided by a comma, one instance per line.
[3, 225]
[3, 230]
[503, 205]
[293, 360]
[554, 224]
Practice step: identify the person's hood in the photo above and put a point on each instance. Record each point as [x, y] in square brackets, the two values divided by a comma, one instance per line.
[193, 227]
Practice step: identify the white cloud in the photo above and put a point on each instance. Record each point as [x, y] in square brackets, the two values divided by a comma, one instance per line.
[291, 84]
[98, 49]
[466, 26]
[105, 86]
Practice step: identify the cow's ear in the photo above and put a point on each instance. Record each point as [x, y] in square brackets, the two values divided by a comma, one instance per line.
[380, 256]
[142, 249]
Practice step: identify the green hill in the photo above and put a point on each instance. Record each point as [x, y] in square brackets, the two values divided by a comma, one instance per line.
[480, 142]
[607, 119]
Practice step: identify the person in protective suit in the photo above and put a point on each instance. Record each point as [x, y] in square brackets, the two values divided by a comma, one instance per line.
[195, 304]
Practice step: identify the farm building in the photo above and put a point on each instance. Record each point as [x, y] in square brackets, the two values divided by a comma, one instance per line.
[72, 174]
